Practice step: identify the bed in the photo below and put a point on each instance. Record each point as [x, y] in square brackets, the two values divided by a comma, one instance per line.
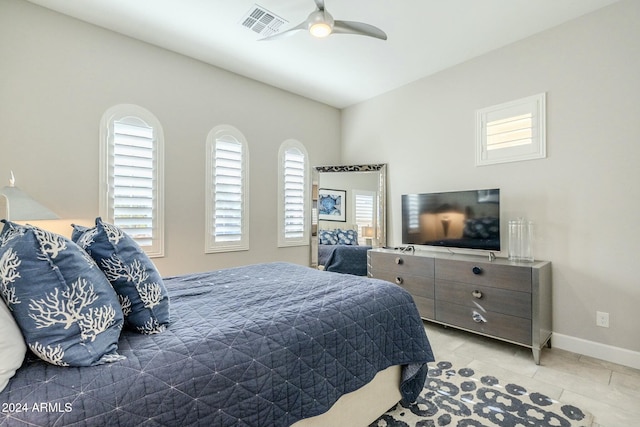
[340, 252]
[345, 259]
[266, 344]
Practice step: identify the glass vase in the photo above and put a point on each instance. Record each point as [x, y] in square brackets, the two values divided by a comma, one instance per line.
[521, 240]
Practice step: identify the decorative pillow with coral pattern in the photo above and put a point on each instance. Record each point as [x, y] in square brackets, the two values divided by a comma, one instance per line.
[327, 237]
[66, 309]
[143, 296]
[347, 237]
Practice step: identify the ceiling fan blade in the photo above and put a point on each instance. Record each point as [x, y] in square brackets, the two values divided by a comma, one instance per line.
[358, 28]
[287, 33]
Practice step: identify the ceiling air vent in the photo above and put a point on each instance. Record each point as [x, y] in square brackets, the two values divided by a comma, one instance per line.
[262, 21]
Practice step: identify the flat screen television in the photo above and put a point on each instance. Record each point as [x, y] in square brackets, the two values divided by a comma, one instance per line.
[457, 219]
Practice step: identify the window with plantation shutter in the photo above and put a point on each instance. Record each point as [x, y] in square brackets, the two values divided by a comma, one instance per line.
[293, 212]
[131, 175]
[512, 131]
[364, 213]
[227, 213]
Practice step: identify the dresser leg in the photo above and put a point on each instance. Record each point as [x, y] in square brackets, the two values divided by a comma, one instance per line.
[536, 355]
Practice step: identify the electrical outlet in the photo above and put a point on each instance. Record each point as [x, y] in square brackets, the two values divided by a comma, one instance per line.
[602, 319]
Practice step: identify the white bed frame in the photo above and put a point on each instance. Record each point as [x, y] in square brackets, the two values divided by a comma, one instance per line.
[363, 406]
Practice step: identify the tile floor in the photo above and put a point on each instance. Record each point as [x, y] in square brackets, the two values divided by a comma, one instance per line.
[610, 392]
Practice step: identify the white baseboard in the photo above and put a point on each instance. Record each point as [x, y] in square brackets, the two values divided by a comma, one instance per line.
[618, 355]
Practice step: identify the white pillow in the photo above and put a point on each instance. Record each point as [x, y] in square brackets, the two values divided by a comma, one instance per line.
[12, 346]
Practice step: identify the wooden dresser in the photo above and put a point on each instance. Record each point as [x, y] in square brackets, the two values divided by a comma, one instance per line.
[498, 298]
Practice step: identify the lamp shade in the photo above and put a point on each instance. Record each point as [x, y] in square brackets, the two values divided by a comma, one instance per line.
[16, 205]
[367, 231]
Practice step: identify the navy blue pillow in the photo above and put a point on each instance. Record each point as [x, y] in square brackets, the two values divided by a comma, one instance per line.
[143, 296]
[66, 309]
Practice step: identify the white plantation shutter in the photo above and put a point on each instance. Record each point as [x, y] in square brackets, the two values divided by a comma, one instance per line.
[133, 178]
[227, 191]
[227, 213]
[293, 195]
[131, 175]
[511, 131]
[364, 210]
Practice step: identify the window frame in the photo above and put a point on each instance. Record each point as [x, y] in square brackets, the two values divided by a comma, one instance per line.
[534, 105]
[283, 240]
[106, 166]
[211, 246]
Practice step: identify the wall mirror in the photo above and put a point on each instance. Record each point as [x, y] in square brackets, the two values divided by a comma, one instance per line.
[349, 215]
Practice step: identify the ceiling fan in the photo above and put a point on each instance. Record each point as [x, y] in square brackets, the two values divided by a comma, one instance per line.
[321, 24]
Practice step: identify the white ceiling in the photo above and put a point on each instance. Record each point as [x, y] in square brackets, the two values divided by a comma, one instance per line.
[424, 37]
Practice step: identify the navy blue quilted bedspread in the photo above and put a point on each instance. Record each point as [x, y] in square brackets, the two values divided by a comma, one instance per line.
[349, 259]
[262, 345]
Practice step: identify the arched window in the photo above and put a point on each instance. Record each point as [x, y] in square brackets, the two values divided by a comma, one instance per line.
[293, 195]
[131, 175]
[227, 190]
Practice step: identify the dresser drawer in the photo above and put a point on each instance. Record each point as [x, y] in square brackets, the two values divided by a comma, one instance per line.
[497, 300]
[495, 275]
[426, 307]
[418, 286]
[500, 325]
[402, 264]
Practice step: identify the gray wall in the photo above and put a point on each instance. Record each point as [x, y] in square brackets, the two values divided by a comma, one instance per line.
[59, 75]
[584, 198]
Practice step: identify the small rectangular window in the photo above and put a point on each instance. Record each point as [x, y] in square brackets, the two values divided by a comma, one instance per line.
[512, 131]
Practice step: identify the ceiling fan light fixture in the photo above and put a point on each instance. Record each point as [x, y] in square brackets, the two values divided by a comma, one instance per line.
[320, 29]
[320, 23]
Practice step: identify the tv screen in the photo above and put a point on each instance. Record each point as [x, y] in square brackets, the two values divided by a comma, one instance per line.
[459, 219]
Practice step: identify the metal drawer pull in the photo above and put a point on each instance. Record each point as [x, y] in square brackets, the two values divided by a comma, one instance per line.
[399, 261]
[476, 294]
[478, 318]
[399, 280]
[476, 270]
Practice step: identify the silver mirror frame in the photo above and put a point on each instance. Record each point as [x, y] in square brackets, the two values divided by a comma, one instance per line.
[381, 226]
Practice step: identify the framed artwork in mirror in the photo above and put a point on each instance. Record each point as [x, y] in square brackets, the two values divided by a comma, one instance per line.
[332, 205]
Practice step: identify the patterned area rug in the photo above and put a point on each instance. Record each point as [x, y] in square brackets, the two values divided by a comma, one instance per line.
[460, 397]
